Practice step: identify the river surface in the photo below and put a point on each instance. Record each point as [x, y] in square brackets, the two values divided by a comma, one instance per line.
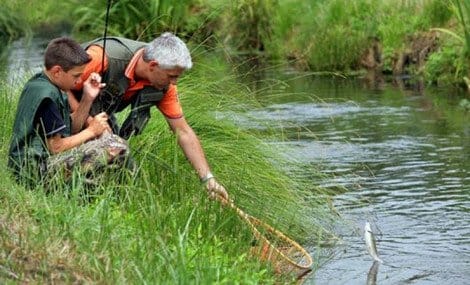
[402, 154]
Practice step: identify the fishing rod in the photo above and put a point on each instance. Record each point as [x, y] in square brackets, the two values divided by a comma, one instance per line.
[105, 33]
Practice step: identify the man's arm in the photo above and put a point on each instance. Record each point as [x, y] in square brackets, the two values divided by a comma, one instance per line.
[192, 149]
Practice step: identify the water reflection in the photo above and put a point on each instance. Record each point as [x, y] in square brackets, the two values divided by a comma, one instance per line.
[372, 274]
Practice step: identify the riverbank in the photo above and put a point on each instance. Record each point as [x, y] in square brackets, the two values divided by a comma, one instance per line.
[161, 227]
[426, 38]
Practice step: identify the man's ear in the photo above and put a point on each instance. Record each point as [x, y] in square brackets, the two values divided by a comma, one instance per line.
[153, 64]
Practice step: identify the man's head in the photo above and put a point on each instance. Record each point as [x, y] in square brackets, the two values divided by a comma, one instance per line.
[167, 56]
[65, 61]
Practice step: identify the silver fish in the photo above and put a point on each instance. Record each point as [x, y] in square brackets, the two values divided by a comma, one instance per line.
[370, 242]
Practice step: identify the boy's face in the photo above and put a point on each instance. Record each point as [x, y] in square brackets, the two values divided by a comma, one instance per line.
[68, 80]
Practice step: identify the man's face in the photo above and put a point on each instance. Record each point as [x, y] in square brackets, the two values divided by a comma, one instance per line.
[68, 80]
[161, 78]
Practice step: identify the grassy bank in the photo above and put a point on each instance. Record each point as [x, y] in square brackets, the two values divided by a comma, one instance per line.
[327, 35]
[160, 228]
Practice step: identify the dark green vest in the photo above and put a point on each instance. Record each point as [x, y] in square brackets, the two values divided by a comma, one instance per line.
[28, 149]
[119, 52]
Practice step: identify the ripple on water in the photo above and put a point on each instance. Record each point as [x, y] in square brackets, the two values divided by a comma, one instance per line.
[410, 180]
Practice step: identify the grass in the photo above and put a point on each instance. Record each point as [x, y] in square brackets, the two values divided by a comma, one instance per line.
[320, 36]
[160, 228]
[145, 20]
[11, 24]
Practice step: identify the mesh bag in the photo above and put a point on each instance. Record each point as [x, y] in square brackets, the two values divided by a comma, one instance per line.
[285, 254]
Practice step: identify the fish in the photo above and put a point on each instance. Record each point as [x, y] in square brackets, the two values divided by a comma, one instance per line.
[370, 243]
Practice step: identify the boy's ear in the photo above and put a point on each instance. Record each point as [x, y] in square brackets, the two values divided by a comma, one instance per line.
[55, 70]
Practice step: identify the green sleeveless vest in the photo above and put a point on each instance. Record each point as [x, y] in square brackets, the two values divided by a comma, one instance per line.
[28, 150]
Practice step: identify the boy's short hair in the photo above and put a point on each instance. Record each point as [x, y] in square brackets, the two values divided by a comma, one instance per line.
[66, 53]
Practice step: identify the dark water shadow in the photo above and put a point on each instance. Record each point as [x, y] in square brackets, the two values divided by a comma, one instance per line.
[372, 274]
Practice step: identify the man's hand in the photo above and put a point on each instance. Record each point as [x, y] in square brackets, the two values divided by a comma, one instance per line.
[92, 86]
[214, 189]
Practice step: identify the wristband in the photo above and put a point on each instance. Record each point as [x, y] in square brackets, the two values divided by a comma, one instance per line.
[206, 178]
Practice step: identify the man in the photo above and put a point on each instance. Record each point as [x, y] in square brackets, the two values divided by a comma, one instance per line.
[43, 123]
[142, 75]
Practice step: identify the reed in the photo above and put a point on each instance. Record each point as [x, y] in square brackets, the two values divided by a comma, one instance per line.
[463, 15]
[248, 25]
[450, 65]
[11, 24]
[143, 19]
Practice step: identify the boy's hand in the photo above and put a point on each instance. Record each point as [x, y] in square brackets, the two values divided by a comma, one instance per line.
[99, 124]
[92, 86]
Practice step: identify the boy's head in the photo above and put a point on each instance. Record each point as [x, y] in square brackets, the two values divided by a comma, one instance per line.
[65, 61]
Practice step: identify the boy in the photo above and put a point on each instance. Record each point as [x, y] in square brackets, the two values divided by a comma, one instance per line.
[43, 123]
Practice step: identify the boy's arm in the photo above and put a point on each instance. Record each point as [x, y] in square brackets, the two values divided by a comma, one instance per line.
[80, 110]
[98, 125]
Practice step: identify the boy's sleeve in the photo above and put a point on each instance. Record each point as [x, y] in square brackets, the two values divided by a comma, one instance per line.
[48, 119]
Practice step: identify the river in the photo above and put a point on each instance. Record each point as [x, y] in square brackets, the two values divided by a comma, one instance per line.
[402, 153]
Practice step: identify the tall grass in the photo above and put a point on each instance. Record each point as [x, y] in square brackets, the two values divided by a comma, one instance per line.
[160, 228]
[332, 35]
[316, 35]
[12, 24]
[144, 19]
[248, 25]
[450, 64]
[35, 16]
[463, 14]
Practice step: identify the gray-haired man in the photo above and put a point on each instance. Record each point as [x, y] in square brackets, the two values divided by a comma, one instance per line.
[142, 75]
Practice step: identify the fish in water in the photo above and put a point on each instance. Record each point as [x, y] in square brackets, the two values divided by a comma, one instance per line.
[370, 242]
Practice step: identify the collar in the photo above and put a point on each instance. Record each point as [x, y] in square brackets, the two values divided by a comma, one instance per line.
[130, 69]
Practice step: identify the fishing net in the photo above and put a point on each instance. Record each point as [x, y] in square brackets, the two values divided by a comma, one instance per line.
[271, 245]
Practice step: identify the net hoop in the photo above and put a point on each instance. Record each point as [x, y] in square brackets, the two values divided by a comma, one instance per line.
[292, 257]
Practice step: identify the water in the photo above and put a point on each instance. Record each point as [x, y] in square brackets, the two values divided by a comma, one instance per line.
[403, 155]
[24, 58]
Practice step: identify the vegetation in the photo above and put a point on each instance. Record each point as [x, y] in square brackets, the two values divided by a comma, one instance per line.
[451, 64]
[320, 36]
